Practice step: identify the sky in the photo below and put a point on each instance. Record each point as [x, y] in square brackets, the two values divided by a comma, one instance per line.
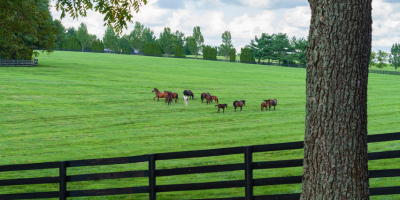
[245, 19]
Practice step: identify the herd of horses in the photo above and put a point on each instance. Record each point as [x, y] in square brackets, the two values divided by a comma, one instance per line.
[169, 96]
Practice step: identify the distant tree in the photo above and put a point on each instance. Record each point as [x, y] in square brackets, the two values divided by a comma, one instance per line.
[167, 41]
[300, 48]
[262, 48]
[186, 49]
[179, 52]
[281, 47]
[372, 59]
[60, 33]
[232, 55]
[124, 43]
[70, 32]
[226, 45]
[382, 58]
[394, 58]
[83, 36]
[179, 38]
[149, 34]
[196, 42]
[246, 55]
[110, 39]
[209, 53]
[137, 37]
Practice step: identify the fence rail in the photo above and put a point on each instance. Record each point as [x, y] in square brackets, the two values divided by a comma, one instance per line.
[152, 189]
[18, 63]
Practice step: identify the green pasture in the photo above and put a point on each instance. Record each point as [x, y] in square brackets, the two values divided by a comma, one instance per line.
[77, 106]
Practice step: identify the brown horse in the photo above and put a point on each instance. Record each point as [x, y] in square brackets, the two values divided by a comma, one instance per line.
[264, 106]
[271, 102]
[158, 94]
[204, 95]
[239, 104]
[215, 98]
[168, 99]
[173, 95]
[209, 98]
[223, 106]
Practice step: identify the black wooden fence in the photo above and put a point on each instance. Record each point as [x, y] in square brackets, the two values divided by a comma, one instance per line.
[18, 63]
[152, 189]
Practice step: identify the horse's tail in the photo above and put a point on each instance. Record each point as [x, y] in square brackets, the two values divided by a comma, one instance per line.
[234, 104]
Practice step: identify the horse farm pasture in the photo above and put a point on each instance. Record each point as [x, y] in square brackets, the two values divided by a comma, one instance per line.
[77, 106]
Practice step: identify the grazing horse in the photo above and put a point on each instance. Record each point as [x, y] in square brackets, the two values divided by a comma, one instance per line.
[215, 98]
[159, 94]
[264, 106]
[173, 95]
[271, 102]
[209, 98]
[239, 104]
[188, 93]
[186, 100]
[203, 96]
[168, 99]
[223, 106]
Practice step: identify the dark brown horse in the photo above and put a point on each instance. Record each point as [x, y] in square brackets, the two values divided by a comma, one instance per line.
[209, 98]
[159, 94]
[264, 106]
[204, 96]
[271, 102]
[173, 95]
[239, 104]
[215, 98]
[223, 106]
[168, 98]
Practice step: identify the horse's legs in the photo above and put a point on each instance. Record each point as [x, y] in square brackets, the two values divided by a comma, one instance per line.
[223, 110]
[274, 107]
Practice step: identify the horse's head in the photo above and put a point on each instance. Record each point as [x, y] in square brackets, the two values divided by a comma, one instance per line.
[192, 97]
[243, 101]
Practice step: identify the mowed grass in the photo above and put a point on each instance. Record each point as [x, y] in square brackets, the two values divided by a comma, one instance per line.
[87, 105]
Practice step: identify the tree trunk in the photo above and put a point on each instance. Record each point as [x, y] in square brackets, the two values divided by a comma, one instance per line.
[335, 144]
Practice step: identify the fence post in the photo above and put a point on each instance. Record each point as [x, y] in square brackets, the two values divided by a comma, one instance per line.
[152, 176]
[248, 162]
[63, 180]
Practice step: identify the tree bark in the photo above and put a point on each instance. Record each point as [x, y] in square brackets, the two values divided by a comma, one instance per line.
[335, 144]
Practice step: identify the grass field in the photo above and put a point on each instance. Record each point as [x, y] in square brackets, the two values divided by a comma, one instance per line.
[88, 105]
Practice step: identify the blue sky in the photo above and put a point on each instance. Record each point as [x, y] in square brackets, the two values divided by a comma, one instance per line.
[243, 18]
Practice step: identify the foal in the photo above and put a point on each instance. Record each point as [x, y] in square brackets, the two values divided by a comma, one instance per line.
[215, 98]
[186, 100]
[173, 95]
[168, 99]
[264, 106]
[223, 106]
[209, 98]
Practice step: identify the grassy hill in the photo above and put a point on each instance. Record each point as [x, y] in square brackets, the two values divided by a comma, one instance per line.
[89, 105]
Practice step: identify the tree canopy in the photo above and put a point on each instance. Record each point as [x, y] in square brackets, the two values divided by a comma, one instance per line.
[226, 45]
[25, 26]
[117, 12]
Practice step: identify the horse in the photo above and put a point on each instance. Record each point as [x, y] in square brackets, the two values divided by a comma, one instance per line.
[215, 98]
[271, 102]
[203, 96]
[239, 104]
[264, 106]
[209, 98]
[186, 100]
[158, 94]
[188, 93]
[168, 99]
[173, 95]
[223, 106]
